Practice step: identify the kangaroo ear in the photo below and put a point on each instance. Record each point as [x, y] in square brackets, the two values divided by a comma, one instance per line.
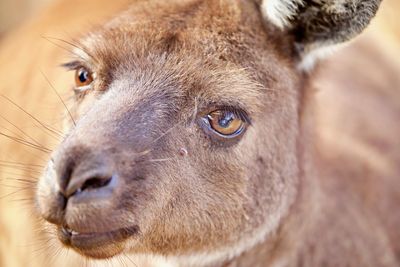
[319, 25]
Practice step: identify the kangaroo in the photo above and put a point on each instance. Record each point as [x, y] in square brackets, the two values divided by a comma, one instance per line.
[195, 139]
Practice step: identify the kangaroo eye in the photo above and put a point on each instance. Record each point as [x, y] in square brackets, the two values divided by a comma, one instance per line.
[83, 77]
[226, 123]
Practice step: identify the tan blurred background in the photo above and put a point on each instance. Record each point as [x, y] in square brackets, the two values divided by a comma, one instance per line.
[13, 12]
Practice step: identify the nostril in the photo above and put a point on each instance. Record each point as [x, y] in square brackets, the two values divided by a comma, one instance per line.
[78, 169]
[87, 182]
[95, 182]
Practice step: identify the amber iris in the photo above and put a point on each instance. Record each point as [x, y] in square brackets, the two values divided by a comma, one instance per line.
[225, 122]
[83, 77]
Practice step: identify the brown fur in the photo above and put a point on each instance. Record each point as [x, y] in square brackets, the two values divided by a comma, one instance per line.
[320, 164]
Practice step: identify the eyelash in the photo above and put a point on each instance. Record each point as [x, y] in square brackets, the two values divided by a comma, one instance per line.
[73, 65]
[216, 138]
[240, 113]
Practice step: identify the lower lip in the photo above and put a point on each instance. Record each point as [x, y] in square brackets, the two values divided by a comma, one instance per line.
[87, 241]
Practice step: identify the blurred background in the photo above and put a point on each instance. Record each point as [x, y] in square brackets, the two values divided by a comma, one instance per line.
[13, 12]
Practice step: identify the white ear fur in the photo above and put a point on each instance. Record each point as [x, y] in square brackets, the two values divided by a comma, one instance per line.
[309, 60]
[280, 12]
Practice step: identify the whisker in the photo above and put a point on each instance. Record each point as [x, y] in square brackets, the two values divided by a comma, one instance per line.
[64, 48]
[58, 134]
[195, 110]
[143, 153]
[160, 160]
[11, 132]
[75, 46]
[10, 186]
[20, 180]
[21, 163]
[165, 133]
[58, 95]
[54, 256]
[20, 130]
[120, 261]
[15, 192]
[130, 260]
[18, 175]
[20, 138]
[21, 168]
[26, 143]
[149, 149]
[43, 246]
[38, 240]
[70, 43]
[17, 184]
[24, 201]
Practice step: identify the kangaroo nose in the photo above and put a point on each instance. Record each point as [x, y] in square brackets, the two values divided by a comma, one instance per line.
[89, 174]
[82, 179]
[87, 182]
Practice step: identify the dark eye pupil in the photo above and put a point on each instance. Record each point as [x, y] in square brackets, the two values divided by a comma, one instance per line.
[83, 76]
[226, 120]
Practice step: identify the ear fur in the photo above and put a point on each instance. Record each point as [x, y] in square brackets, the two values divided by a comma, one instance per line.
[281, 12]
[319, 24]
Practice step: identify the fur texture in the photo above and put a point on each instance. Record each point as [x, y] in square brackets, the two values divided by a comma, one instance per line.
[312, 182]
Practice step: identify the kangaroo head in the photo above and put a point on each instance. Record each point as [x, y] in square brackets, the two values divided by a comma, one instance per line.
[185, 132]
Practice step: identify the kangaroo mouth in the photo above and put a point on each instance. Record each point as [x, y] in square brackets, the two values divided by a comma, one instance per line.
[91, 241]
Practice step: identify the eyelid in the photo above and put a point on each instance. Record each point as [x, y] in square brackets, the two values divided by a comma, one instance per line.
[213, 134]
[235, 108]
[216, 137]
[240, 113]
[73, 65]
[82, 89]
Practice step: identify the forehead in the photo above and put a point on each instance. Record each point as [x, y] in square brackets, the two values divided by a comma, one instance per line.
[201, 26]
[202, 48]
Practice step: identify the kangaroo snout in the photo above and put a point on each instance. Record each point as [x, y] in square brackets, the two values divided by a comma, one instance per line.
[83, 188]
[80, 174]
[81, 179]
[102, 180]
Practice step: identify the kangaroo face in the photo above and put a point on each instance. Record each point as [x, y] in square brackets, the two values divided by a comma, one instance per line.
[184, 134]
[184, 140]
